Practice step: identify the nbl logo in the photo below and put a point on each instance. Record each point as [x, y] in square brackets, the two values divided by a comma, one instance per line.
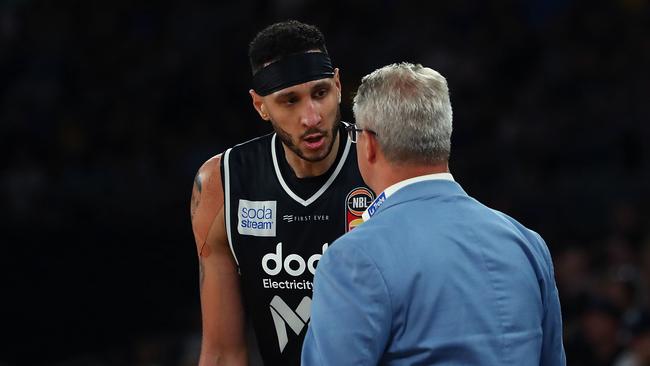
[357, 201]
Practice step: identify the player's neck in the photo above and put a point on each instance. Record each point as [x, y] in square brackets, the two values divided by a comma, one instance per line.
[303, 168]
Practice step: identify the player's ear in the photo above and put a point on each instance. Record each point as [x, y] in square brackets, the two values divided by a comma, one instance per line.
[258, 104]
[337, 82]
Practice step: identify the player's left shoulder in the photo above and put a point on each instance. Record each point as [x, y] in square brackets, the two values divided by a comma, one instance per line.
[351, 248]
[363, 238]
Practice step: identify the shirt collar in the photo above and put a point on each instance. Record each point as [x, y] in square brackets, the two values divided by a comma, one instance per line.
[372, 209]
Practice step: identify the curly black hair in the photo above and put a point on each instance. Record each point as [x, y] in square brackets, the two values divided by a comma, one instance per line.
[283, 39]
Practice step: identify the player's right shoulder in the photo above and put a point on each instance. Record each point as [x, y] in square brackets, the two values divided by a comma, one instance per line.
[212, 164]
[209, 174]
[207, 200]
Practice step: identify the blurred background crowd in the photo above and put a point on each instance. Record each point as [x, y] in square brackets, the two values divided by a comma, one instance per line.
[107, 109]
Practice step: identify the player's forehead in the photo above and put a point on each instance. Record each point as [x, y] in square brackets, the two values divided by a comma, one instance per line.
[304, 88]
[296, 73]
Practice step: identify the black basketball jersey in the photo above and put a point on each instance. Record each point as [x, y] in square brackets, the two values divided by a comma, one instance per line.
[277, 236]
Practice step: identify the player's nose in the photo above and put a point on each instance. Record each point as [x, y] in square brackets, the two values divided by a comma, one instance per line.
[310, 115]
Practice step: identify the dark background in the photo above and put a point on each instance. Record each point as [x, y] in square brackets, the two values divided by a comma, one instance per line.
[107, 109]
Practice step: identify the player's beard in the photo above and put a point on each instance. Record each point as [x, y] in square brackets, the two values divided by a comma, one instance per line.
[287, 139]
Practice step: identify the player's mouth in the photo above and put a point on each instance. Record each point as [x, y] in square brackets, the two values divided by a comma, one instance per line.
[314, 141]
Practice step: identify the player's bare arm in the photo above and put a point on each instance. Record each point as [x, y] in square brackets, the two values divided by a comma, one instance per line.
[223, 341]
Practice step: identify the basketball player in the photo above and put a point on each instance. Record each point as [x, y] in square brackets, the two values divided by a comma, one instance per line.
[264, 211]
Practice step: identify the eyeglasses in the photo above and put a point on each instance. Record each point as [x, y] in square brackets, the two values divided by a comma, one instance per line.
[353, 132]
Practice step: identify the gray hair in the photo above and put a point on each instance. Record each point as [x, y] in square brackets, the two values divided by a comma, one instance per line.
[408, 107]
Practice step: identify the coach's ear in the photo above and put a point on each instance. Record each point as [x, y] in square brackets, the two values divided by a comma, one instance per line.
[370, 146]
[367, 158]
[258, 104]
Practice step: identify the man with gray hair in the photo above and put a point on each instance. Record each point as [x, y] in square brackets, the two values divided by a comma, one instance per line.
[432, 277]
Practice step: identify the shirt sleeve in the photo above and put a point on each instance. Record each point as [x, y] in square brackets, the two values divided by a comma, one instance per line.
[552, 346]
[351, 310]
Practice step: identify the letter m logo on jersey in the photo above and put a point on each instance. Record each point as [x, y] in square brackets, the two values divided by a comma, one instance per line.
[283, 315]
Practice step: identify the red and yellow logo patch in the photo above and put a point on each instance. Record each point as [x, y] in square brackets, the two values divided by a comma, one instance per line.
[356, 201]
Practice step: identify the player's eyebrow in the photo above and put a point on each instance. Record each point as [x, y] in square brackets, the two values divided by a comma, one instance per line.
[292, 93]
[285, 96]
[321, 84]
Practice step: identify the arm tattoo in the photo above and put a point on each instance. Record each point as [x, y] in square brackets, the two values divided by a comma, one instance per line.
[201, 273]
[197, 181]
[196, 195]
